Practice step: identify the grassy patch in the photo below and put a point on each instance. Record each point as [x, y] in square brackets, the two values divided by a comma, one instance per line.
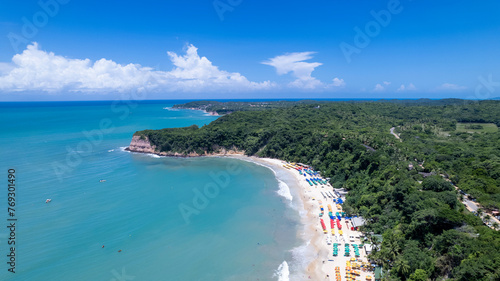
[477, 127]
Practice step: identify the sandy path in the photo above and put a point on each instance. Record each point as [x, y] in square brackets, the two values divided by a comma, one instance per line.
[396, 135]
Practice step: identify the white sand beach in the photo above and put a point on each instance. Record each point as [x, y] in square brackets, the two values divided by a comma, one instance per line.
[324, 264]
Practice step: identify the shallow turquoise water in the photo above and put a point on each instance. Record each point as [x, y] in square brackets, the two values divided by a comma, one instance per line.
[239, 229]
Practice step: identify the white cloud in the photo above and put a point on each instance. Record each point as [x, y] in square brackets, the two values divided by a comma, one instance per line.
[192, 72]
[301, 70]
[378, 88]
[5, 68]
[403, 88]
[451, 87]
[35, 69]
[338, 82]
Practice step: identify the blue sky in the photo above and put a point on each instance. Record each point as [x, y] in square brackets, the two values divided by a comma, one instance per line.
[82, 50]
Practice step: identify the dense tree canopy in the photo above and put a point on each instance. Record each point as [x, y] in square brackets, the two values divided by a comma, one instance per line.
[398, 186]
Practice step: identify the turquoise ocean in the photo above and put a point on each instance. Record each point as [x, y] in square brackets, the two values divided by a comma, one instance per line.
[172, 218]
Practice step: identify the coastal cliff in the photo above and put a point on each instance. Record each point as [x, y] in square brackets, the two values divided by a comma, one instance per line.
[142, 144]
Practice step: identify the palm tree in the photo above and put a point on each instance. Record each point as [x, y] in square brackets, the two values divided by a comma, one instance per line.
[402, 267]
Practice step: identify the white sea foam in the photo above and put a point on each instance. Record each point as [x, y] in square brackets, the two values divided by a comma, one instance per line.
[122, 148]
[283, 272]
[147, 154]
[111, 150]
[153, 155]
[302, 256]
[257, 163]
[284, 190]
[171, 109]
[208, 114]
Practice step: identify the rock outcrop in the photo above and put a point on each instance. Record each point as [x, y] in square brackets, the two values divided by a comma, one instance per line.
[143, 145]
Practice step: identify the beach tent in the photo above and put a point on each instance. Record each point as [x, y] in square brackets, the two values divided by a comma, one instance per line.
[323, 224]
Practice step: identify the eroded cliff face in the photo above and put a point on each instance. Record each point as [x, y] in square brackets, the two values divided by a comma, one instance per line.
[144, 146]
[141, 145]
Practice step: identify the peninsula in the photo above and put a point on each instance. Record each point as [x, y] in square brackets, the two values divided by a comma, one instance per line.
[402, 187]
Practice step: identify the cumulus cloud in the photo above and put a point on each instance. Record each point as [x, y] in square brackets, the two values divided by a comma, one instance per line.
[338, 82]
[5, 68]
[403, 88]
[196, 73]
[451, 87]
[295, 64]
[378, 88]
[35, 69]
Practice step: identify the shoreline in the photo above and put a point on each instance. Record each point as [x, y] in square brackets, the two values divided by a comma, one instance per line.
[321, 262]
[307, 231]
[211, 113]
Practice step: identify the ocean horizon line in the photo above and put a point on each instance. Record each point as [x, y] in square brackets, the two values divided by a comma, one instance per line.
[146, 101]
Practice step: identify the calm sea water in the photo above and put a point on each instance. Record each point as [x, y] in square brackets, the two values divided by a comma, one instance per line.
[233, 225]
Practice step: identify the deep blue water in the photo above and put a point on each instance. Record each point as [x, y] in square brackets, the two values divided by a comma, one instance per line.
[238, 229]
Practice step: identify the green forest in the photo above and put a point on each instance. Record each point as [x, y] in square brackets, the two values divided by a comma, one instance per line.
[400, 186]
